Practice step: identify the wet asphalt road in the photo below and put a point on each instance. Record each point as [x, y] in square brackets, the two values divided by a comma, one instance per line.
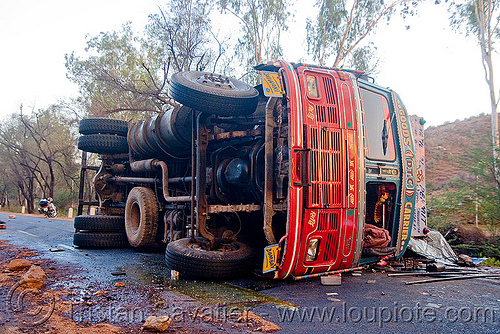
[370, 303]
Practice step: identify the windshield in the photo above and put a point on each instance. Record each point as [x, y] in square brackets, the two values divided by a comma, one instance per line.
[379, 138]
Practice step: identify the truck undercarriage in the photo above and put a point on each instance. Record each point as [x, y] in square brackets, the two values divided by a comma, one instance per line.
[234, 169]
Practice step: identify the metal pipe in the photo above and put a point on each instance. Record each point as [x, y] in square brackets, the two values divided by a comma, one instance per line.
[164, 173]
[151, 180]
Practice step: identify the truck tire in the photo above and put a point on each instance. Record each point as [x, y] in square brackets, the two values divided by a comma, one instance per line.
[89, 126]
[103, 144]
[213, 94]
[183, 256]
[141, 217]
[100, 239]
[100, 223]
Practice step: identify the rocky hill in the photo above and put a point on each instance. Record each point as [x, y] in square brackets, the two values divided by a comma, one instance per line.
[445, 142]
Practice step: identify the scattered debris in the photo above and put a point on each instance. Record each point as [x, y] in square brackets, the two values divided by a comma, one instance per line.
[157, 324]
[332, 294]
[118, 273]
[328, 273]
[264, 325]
[34, 277]
[119, 284]
[440, 279]
[56, 249]
[433, 246]
[174, 275]
[465, 260]
[434, 305]
[435, 267]
[331, 280]
[370, 281]
[18, 264]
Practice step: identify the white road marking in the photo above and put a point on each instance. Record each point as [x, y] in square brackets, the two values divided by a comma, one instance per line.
[36, 236]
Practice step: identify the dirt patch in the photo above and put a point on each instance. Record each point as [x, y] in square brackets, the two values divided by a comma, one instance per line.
[68, 305]
[42, 310]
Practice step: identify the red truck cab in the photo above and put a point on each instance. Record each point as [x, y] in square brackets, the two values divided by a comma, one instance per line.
[349, 144]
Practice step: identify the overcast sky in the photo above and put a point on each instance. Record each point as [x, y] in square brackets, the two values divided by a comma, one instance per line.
[437, 72]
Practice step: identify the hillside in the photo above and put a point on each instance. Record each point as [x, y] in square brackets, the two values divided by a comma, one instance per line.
[447, 141]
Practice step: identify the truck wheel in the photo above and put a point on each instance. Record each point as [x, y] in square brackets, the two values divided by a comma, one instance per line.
[213, 93]
[189, 259]
[89, 126]
[100, 223]
[100, 239]
[103, 144]
[141, 217]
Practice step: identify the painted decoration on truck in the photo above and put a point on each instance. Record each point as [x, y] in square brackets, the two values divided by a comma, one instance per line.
[420, 218]
[408, 177]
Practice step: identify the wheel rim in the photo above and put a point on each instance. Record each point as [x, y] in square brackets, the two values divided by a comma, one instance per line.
[215, 81]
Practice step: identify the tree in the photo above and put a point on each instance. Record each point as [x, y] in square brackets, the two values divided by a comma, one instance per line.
[117, 78]
[262, 23]
[342, 26]
[125, 75]
[181, 34]
[481, 19]
[39, 153]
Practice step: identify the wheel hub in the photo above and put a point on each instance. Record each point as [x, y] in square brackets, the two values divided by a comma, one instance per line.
[217, 81]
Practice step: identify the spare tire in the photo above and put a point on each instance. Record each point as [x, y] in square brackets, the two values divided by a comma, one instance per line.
[103, 144]
[191, 260]
[112, 126]
[213, 93]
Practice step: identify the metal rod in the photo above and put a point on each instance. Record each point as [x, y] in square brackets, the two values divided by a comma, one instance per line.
[428, 273]
[452, 278]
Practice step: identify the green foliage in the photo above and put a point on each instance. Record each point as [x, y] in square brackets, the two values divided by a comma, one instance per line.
[118, 76]
[473, 191]
[38, 151]
[341, 26]
[181, 35]
[262, 23]
[469, 17]
[473, 250]
[492, 262]
[126, 75]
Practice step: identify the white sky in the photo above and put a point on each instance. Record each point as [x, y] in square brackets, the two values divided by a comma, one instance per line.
[437, 72]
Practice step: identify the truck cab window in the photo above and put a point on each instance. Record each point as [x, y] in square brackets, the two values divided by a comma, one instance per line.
[378, 130]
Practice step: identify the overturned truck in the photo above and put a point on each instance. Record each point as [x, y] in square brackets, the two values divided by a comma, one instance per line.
[283, 179]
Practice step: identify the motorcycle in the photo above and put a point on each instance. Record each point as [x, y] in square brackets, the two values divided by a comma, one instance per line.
[47, 208]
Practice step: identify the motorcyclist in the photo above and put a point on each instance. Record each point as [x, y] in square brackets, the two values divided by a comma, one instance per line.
[51, 208]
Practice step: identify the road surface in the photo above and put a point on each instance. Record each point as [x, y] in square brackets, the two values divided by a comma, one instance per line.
[366, 302]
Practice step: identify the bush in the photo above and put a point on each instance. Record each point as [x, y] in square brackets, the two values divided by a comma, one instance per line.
[492, 262]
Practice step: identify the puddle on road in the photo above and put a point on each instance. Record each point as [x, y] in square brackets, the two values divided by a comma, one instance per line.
[152, 272]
